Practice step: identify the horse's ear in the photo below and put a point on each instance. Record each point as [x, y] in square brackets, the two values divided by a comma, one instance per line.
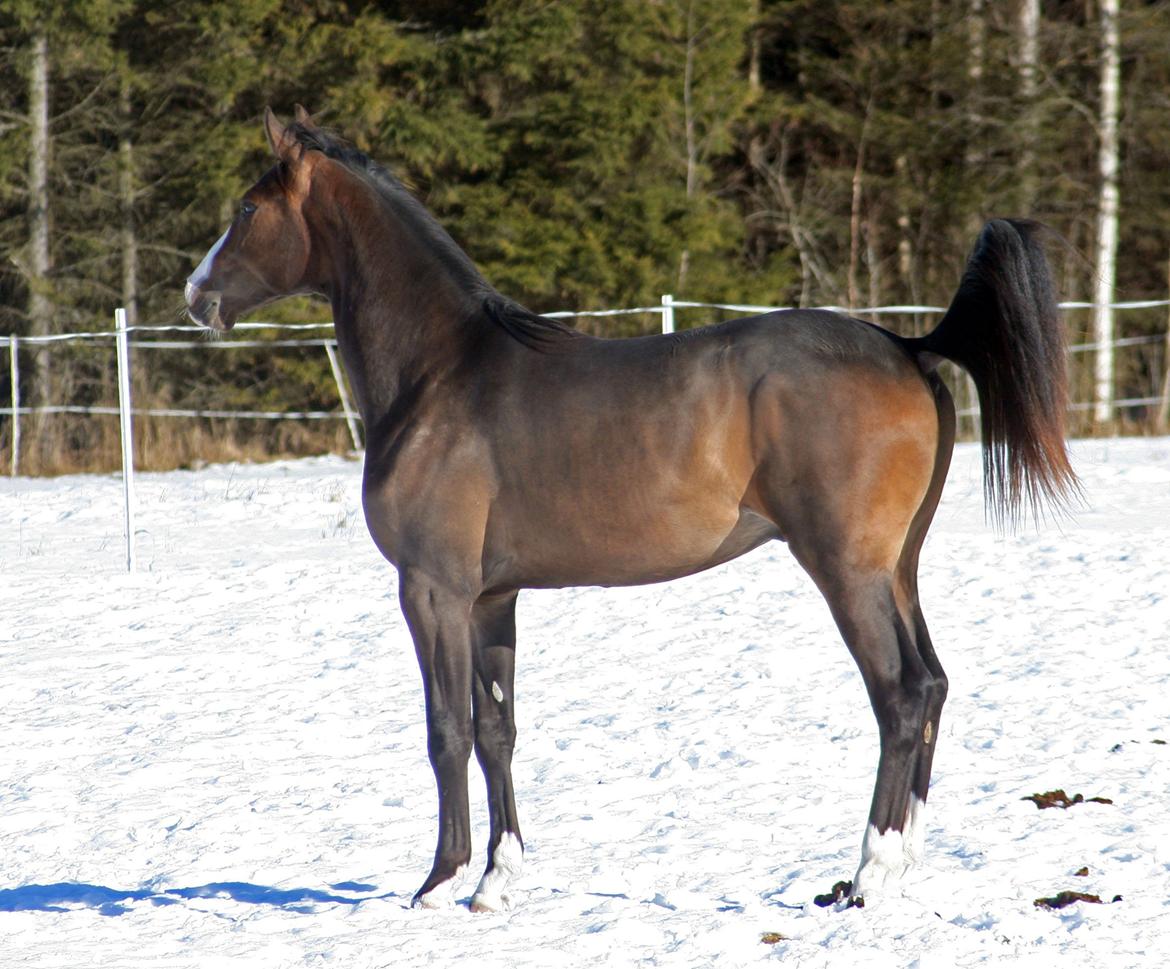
[279, 139]
[302, 116]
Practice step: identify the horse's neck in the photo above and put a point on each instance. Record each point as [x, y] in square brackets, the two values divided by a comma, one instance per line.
[403, 310]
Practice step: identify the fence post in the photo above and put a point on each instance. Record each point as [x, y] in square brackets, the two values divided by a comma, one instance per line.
[122, 339]
[343, 394]
[1162, 422]
[14, 370]
[668, 313]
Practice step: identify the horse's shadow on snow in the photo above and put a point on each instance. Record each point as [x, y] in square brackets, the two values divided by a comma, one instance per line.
[66, 896]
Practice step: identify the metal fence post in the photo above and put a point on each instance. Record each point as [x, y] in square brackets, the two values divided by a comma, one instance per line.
[667, 313]
[343, 394]
[14, 370]
[123, 342]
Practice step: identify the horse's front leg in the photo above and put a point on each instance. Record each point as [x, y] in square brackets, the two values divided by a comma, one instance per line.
[493, 705]
[440, 623]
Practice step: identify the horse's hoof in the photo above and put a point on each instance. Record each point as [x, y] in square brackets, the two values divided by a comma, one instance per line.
[441, 895]
[507, 861]
[432, 900]
[481, 902]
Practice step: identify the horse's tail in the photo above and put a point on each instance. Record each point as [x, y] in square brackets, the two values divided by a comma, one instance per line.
[1004, 328]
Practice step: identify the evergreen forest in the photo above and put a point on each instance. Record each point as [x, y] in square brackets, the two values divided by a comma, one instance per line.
[588, 154]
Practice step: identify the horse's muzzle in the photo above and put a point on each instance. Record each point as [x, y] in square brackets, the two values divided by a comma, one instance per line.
[203, 307]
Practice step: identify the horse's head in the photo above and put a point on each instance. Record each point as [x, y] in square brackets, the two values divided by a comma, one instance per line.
[265, 253]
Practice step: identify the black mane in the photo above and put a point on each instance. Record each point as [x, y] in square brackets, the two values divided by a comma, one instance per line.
[534, 331]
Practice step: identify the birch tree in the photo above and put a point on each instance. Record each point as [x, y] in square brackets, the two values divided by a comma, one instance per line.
[1029, 47]
[1107, 214]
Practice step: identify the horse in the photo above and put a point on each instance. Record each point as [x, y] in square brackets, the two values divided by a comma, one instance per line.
[506, 451]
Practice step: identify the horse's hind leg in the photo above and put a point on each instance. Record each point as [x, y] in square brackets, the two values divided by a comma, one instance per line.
[935, 687]
[493, 621]
[906, 689]
[936, 695]
[861, 547]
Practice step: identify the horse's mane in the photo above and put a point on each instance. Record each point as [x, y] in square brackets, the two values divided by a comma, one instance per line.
[534, 331]
[528, 328]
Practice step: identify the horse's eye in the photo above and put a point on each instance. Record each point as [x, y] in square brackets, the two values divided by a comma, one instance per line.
[246, 209]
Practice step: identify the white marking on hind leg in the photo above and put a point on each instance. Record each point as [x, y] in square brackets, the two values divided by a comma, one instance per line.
[914, 832]
[886, 856]
[883, 859]
[507, 862]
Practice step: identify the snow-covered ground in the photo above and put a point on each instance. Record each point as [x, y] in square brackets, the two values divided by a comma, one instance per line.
[220, 760]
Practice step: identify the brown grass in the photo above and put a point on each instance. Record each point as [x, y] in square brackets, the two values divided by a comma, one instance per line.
[78, 443]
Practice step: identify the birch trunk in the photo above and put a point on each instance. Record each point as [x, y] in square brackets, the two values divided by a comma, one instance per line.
[1029, 62]
[1106, 268]
[977, 53]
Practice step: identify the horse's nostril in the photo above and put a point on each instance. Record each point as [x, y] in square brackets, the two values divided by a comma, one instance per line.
[203, 307]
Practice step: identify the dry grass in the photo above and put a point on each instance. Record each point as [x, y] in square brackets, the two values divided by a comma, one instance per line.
[75, 444]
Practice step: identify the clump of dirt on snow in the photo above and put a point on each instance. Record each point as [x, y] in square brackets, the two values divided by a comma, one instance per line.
[1065, 899]
[1059, 799]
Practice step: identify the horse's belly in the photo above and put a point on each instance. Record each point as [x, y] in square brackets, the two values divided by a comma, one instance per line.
[649, 551]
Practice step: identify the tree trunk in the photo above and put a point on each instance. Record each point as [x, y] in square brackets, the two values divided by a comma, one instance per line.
[853, 289]
[755, 44]
[692, 150]
[906, 262]
[40, 261]
[873, 263]
[1106, 268]
[126, 191]
[40, 304]
[974, 156]
[1029, 61]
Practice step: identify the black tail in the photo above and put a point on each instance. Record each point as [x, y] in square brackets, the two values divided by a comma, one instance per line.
[1003, 327]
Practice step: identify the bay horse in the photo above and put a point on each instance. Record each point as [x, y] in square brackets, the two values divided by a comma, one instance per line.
[505, 451]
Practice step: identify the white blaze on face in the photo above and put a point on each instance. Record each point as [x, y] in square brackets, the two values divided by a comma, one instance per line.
[202, 272]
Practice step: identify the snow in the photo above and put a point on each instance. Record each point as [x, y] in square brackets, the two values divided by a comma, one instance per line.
[220, 760]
